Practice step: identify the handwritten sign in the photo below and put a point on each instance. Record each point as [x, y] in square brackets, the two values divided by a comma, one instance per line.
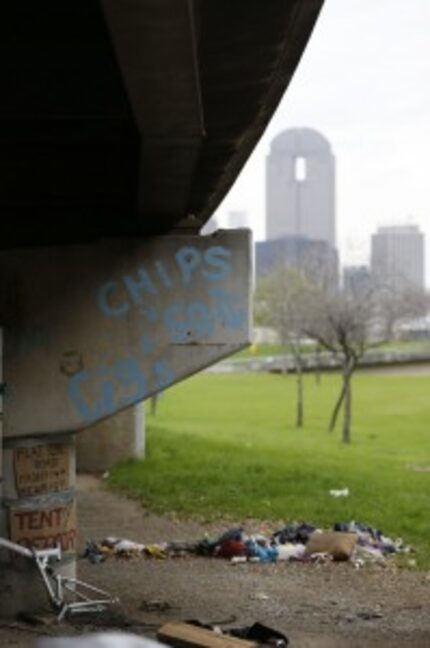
[42, 469]
[46, 527]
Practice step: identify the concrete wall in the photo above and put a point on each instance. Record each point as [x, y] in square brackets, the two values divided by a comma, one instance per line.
[93, 330]
[90, 331]
[38, 509]
[115, 439]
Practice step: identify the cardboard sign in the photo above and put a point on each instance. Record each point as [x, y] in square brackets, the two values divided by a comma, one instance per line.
[45, 527]
[42, 469]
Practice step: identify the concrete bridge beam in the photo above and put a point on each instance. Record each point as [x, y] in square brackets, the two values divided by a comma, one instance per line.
[88, 333]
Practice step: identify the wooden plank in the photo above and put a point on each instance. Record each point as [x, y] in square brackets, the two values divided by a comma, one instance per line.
[186, 635]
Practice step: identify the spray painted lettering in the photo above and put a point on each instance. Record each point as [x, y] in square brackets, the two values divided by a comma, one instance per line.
[116, 297]
[100, 391]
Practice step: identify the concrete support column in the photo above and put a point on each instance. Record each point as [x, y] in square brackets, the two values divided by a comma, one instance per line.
[38, 509]
[115, 439]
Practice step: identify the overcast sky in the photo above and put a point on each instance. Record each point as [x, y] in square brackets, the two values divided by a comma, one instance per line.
[364, 82]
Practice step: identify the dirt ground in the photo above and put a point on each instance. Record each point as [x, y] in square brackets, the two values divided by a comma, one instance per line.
[320, 606]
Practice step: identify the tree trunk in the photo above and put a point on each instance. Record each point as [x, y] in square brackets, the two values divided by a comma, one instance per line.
[284, 360]
[318, 366]
[299, 376]
[348, 370]
[336, 409]
[346, 432]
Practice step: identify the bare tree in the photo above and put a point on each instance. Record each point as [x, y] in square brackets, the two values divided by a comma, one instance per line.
[344, 323]
[281, 302]
[399, 304]
[341, 324]
[348, 324]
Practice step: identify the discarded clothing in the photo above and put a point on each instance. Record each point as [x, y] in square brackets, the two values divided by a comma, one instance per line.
[369, 537]
[257, 632]
[351, 541]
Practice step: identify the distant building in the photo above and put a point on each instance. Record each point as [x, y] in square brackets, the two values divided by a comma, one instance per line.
[316, 259]
[397, 257]
[300, 187]
[357, 280]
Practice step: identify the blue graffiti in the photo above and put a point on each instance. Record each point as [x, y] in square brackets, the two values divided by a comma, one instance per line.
[111, 386]
[188, 322]
[217, 257]
[188, 259]
[129, 376]
[197, 321]
[105, 304]
[176, 324]
[115, 386]
[135, 287]
[228, 309]
[147, 344]
[163, 374]
[115, 297]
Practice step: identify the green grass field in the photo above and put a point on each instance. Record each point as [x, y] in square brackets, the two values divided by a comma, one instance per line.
[226, 446]
[264, 350]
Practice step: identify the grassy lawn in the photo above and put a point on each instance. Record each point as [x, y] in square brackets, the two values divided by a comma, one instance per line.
[264, 350]
[226, 446]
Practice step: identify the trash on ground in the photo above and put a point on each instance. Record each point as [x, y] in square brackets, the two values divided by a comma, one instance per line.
[342, 492]
[262, 634]
[335, 543]
[187, 635]
[303, 542]
[370, 615]
[193, 634]
[259, 596]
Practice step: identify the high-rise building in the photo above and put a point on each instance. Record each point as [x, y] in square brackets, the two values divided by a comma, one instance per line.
[397, 257]
[300, 187]
[317, 260]
[357, 281]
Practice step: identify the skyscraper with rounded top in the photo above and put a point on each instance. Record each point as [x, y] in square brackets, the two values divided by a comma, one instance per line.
[300, 187]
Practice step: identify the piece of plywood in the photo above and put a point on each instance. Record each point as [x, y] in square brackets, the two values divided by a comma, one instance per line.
[186, 635]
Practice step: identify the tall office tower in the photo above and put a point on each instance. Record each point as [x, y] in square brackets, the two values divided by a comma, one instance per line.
[300, 187]
[397, 257]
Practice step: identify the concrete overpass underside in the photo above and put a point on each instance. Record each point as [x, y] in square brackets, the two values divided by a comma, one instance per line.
[123, 117]
[123, 123]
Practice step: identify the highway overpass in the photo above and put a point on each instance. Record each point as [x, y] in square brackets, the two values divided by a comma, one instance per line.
[123, 123]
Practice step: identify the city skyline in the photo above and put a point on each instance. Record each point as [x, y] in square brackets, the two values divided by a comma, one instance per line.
[359, 83]
[300, 186]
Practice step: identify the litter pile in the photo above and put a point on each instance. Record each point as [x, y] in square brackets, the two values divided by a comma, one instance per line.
[352, 541]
